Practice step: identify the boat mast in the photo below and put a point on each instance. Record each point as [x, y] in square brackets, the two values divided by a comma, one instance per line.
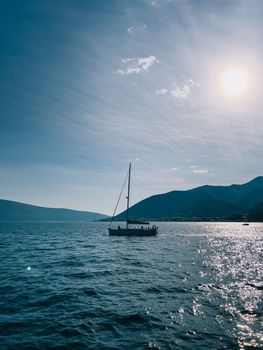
[128, 197]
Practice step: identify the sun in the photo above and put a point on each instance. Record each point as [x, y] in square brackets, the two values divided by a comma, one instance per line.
[234, 81]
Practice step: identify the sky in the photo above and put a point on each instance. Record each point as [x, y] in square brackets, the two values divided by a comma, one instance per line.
[88, 86]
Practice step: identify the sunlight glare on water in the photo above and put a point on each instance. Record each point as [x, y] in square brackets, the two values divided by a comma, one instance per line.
[237, 270]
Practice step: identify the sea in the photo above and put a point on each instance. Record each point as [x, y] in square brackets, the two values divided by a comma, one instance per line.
[72, 286]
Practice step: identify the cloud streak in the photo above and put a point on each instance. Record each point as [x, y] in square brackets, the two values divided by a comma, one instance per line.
[197, 170]
[200, 171]
[136, 65]
[179, 91]
[136, 29]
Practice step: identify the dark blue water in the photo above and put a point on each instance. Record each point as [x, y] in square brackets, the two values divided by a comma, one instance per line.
[71, 286]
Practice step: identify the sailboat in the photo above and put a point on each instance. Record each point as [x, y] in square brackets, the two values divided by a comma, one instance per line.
[245, 222]
[132, 228]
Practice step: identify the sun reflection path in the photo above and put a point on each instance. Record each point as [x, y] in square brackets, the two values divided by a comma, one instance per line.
[235, 266]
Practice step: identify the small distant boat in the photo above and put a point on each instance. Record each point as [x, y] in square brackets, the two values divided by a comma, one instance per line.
[141, 228]
[245, 220]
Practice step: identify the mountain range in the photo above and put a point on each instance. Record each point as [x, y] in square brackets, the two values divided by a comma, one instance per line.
[234, 203]
[212, 203]
[11, 211]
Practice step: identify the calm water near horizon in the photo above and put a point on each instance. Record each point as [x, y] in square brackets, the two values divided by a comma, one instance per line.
[72, 286]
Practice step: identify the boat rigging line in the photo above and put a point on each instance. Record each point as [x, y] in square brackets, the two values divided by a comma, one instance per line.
[119, 199]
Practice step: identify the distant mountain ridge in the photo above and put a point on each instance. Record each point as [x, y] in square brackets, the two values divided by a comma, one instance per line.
[207, 202]
[11, 211]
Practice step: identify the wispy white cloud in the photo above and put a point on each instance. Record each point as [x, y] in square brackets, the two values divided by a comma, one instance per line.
[155, 3]
[181, 92]
[139, 28]
[197, 169]
[178, 91]
[174, 169]
[158, 3]
[193, 83]
[200, 171]
[136, 65]
[162, 92]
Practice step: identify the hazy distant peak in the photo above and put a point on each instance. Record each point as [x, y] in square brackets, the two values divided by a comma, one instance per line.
[16, 211]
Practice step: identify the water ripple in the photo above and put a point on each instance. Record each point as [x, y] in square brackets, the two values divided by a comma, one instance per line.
[71, 286]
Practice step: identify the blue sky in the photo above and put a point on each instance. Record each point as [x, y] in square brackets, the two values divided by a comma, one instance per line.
[88, 86]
